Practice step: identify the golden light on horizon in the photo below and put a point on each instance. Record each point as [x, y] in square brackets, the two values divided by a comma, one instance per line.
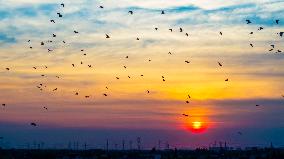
[196, 125]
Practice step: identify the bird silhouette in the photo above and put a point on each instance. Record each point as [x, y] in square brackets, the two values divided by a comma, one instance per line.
[130, 12]
[280, 34]
[169, 53]
[171, 30]
[251, 45]
[87, 96]
[107, 36]
[187, 101]
[187, 61]
[73, 65]
[101, 6]
[42, 43]
[52, 21]
[76, 93]
[251, 33]
[62, 4]
[248, 21]
[156, 28]
[257, 105]
[186, 115]
[55, 89]
[117, 77]
[227, 80]
[220, 64]
[220, 33]
[180, 29]
[59, 15]
[45, 108]
[277, 21]
[137, 38]
[260, 28]
[186, 34]
[76, 32]
[163, 12]
[105, 94]
[8, 69]
[148, 91]
[3, 104]
[33, 124]
[54, 35]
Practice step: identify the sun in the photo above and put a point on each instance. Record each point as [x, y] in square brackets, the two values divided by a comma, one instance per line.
[196, 125]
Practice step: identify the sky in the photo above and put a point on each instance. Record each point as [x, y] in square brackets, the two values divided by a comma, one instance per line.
[218, 110]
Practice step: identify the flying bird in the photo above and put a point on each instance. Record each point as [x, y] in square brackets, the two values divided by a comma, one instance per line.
[277, 21]
[280, 34]
[137, 38]
[186, 115]
[186, 34]
[101, 6]
[180, 29]
[227, 80]
[156, 28]
[107, 36]
[105, 94]
[62, 4]
[251, 45]
[130, 12]
[163, 12]
[59, 15]
[76, 32]
[148, 91]
[8, 69]
[45, 108]
[171, 30]
[220, 64]
[55, 89]
[220, 33]
[260, 28]
[76, 93]
[3, 104]
[187, 61]
[42, 43]
[52, 21]
[33, 124]
[248, 21]
[54, 35]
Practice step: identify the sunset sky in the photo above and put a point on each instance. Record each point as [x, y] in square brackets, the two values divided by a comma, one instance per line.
[218, 110]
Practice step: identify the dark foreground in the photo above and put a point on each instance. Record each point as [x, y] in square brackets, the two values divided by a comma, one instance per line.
[268, 153]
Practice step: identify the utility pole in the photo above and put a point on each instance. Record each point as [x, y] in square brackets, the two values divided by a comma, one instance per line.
[123, 145]
[107, 145]
[138, 143]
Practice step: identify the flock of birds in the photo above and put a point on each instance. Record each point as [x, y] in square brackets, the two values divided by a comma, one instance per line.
[41, 86]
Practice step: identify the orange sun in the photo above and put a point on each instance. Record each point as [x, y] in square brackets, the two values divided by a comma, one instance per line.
[197, 127]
